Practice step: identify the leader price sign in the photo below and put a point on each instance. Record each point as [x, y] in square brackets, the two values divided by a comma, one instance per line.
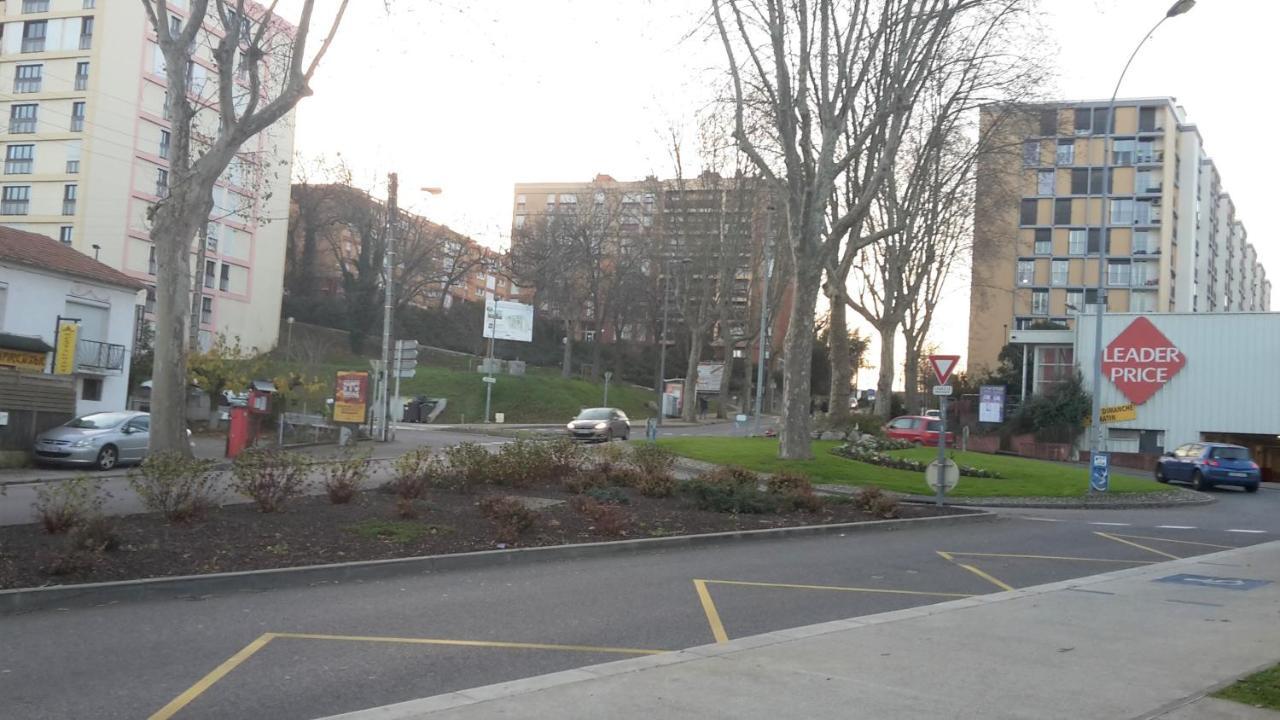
[1141, 360]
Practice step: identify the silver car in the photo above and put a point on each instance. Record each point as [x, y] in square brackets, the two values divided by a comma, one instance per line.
[602, 424]
[102, 440]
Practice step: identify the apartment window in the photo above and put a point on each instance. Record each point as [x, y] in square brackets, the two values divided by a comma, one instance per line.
[64, 234]
[18, 159]
[151, 299]
[1146, 212]
[1044, 182]
[175, 25]
[1066, 152]
[206, 310]
[1027, 215]
[16, 200]
[89, 4]
[224, 278]
[151, 260]
[28, 78]
[1026, 272]
[91, 389]
[1122, 212]
[210, 270]
[1123, 151]
[1148, 152]
[164, 144]
[1118, 273]
[35, 6]
[1147, 181]
[1031, 153]
[33, 35]
[1146, 242]
[1143, 274]
[1087, 181]
[1142, 302]
[1048, 122]
[1061, 212]
[1095, 241]
[1039, 302]
[1058, 273]
[1091, 121]
[211, 238]
[1147, 119]
[22, 118]
[82, 76]
[77, 116]
[86, 33]
[162, 182]
[1044, 241]
[1075, 301]
[73, 167]
[69, 200]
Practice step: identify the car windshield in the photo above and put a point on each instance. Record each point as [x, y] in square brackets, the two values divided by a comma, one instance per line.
[935, 425]
[594, 414]
[99, 421]
[1231, 453]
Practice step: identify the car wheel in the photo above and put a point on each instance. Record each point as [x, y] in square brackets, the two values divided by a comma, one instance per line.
[1160, 478]
[107, 458]
[1197, 482]
[1251, 488]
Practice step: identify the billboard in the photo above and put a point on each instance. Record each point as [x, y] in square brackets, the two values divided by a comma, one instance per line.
[507, 320]
[991, 404]
[709, 375]
[350, 397]
[64, 357]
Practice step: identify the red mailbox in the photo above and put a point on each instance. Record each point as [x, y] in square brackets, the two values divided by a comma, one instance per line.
[239, 431]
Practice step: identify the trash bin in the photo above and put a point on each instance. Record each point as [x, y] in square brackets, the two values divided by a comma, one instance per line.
[412, 411]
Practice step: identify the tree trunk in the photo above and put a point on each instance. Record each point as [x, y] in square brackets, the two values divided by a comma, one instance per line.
[841, 360]
[911, 373]
[726, 375]
[797, 391]
[690, 409]
[884, 386]
[596, 349]
[566, 362]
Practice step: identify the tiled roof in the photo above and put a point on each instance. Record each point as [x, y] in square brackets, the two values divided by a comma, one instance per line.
[42, 252]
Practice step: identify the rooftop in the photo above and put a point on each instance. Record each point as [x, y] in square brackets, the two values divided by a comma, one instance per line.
[41, 252]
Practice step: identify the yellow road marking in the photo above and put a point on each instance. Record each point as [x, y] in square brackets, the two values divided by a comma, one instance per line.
[1134, 544]
[1054, 557]
[985, 576]
[1180, 542]
[472, 643]
[713, 615]
[217, 674]
[836, 587]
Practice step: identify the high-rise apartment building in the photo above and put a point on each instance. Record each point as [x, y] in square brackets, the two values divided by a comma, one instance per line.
[1173, 241]
[86, 156]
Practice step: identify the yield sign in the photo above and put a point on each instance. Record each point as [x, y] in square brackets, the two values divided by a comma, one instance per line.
[943, 365]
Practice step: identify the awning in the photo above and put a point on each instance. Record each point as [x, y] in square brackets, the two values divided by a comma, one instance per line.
[26, 343]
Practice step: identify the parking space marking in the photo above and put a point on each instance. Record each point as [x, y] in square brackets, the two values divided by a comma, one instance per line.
[1252, 532]
[1175, 527]
[1113, 524]
[1040, 519]
[1134, 544]
[794, 586]
[1180, 542]
[207, 681]
[984, 575]
[473, 643]
[709, 608]
[1053, 557]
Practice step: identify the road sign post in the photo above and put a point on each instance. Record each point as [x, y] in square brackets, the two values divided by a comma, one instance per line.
[608, 375]
[943, 366]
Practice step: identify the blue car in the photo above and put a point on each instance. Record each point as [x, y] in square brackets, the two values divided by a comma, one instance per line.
[1206, 464]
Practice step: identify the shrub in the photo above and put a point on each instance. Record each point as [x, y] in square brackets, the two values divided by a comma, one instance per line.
[656, 486]
[794, 492]
[179, 487]
[729, 490]
[731, 476]
[864, 423]
[565, 457]
[269, 477]
[95, 534]
[606, 519]
[652, 459]
[523, 463]
[609, 496]
[71, 562]
[510, 516]
[345, 475]
[469, 465]
[64, 504]
[413, 474]
[874, 501]
[584, 481]
[609, 455]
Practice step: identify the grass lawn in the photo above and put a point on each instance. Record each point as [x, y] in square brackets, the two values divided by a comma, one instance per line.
[1260, 689]
[1022, 477]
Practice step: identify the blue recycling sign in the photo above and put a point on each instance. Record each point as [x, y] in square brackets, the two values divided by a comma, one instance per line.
[1214, 582]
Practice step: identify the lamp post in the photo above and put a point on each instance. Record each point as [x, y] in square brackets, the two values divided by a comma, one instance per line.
[662, 361]
[1096, 436]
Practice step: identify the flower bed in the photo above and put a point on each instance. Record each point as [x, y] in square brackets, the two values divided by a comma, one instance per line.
[872, 454]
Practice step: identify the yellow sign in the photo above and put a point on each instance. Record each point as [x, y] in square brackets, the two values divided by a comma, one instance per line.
[22, 360]
[64, 362]
[1116, 413]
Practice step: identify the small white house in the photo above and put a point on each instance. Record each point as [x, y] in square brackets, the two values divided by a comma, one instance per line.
[42, 280]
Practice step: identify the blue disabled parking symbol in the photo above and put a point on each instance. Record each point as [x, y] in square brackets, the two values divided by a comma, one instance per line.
[1215, 582]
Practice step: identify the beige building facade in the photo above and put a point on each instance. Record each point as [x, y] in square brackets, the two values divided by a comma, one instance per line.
[1173, 243]
[86, 156]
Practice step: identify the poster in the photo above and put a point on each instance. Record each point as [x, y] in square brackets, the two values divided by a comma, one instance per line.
[991, 404]
[507, 320]
[351, 397]
[64, 362]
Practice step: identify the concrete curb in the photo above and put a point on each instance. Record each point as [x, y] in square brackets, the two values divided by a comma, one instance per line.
[416, 709]
[1192, 498]
[20, 600]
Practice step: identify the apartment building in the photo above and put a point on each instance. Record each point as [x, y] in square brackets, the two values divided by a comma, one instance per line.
[1173, 243]
[86, 155]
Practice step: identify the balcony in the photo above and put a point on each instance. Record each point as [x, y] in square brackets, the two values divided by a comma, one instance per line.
[99, 358]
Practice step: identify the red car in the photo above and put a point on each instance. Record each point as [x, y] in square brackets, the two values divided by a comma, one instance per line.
[917, 429]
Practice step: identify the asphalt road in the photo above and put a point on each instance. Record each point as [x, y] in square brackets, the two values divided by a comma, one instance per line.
[317, 651]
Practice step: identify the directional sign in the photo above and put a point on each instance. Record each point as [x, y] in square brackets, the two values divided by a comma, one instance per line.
[941, 390]
[489, 379]
[943, 365]
[1214, 582]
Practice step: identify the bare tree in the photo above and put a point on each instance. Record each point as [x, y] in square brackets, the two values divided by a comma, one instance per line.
[809, 70]
[262, 72]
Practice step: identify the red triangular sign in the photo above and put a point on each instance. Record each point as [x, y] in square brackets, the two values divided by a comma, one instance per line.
[943, 365]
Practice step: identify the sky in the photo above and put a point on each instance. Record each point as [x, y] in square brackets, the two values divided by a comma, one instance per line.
[475, 97]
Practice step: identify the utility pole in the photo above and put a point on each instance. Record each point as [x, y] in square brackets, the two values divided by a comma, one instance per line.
[388, 280]
[662, 362]
[764, 333]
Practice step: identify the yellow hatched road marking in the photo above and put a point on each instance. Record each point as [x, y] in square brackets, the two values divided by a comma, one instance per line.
[984, 575]
[1053, 557]
[1180, 542]
[1139, 546]
[839, 588]
[709, 608]
[472, 643]
[207, 681]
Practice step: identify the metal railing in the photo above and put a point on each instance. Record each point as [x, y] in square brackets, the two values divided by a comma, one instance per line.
[94, 356]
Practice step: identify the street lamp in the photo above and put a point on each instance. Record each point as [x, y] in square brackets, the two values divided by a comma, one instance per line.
[662, 362]
[1096, 440]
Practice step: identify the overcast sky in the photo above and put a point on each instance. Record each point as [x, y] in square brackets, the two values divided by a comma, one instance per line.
[474, 97]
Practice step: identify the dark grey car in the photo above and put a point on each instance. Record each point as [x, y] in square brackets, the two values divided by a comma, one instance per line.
[600, 424]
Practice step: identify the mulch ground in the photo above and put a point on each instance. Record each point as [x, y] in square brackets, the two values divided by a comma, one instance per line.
[312, 531]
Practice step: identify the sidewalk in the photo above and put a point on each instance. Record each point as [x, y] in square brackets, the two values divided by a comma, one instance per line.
[1119, 645]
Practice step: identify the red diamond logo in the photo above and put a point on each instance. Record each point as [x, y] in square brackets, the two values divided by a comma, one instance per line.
[1141, 360]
